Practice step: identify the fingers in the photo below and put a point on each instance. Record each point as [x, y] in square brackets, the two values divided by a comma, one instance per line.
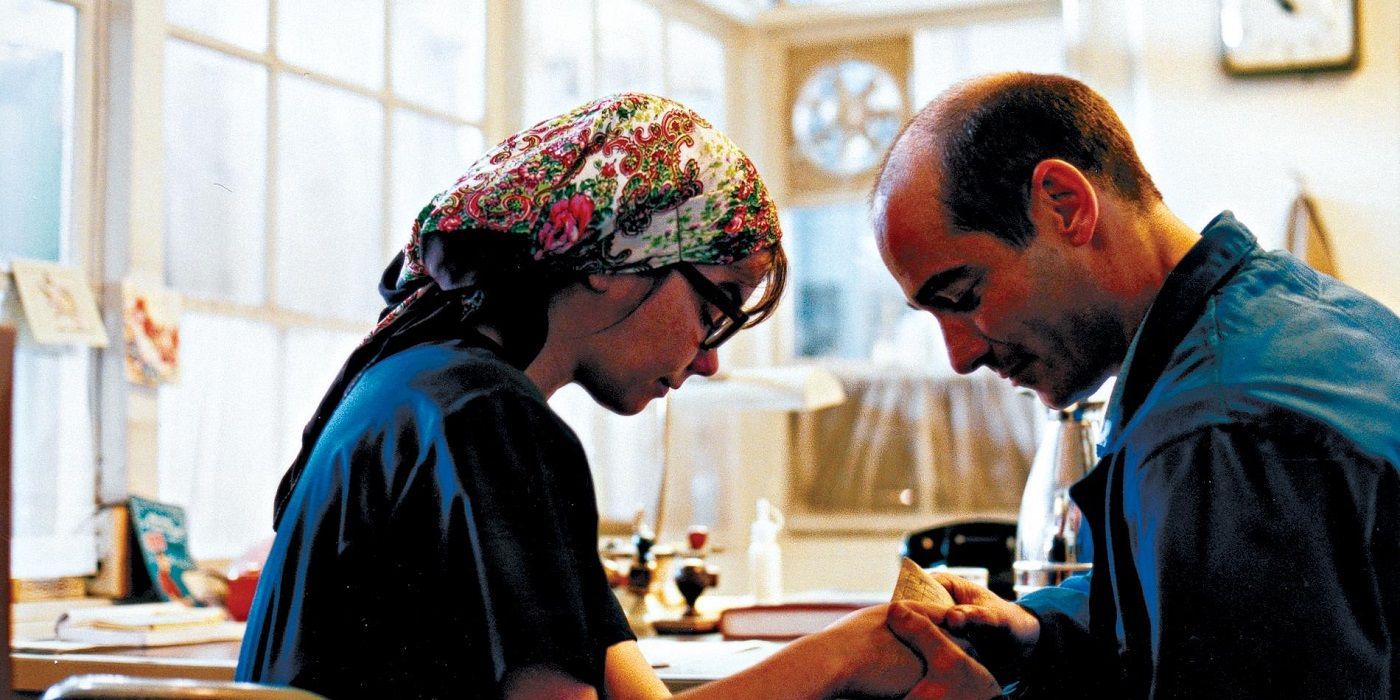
[949, 671]
[908, 622]
[963, 590]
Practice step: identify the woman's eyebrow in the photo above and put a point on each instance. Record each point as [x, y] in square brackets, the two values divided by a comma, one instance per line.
[927, 296]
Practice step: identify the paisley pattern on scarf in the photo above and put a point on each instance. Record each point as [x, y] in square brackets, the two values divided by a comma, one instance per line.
[626, 183]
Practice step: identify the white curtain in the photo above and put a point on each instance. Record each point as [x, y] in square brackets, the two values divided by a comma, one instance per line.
[911, 441]
[55, 469]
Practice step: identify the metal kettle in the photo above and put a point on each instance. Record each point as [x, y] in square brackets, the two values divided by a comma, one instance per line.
[1049, 547]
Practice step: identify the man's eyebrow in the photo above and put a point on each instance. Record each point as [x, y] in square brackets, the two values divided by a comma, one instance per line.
[927, 296]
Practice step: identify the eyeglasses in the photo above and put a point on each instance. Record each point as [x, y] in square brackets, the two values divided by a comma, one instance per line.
[732, 317]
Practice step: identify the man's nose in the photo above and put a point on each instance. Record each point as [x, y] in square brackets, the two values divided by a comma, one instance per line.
[706, 363]
[967, 347]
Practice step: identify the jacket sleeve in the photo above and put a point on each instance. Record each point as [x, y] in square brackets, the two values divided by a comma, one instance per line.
[1066, 662]
[1268, 559]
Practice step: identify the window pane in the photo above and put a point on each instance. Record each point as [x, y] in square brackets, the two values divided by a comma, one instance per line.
[845, 299]
[558, 72]
[218, 440]
[37, 44]
[329, 230]
[340, 38]
[439, 63]
[312, 359]
[629, 47]
[696, 70]
[429, 155]
[215, 173]
[243, 23]
[946, 55]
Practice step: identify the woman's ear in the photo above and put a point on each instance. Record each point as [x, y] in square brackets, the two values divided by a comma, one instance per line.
[598, 284]
[1064, 197]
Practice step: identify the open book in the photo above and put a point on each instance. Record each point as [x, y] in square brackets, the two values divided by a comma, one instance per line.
[148, 625]
[794, 619]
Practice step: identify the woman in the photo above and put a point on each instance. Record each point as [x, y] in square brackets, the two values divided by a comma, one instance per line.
[437, 535]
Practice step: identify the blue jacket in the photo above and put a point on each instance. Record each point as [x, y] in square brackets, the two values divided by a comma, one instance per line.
[1245, 511]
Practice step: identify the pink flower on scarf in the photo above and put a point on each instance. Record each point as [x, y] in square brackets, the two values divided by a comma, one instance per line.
[735, 224]
[450, 223]
[567, 220]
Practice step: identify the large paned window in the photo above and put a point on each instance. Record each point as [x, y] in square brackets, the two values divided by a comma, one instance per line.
[300, 141]
[46, 126]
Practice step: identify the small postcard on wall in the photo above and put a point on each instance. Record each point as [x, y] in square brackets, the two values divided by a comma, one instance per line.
[151, 333]
[59, 304]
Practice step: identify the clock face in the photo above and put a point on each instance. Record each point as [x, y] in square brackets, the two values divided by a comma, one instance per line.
[1271, 36]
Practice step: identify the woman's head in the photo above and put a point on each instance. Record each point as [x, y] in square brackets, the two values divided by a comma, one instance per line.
[626, 185]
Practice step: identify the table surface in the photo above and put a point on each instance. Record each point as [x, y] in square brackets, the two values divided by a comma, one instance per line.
[680, 662]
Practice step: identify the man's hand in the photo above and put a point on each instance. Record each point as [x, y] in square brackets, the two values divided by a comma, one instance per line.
[951, 674]
[1001, 633]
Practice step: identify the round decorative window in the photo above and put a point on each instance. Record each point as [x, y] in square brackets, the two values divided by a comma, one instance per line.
[846, 114]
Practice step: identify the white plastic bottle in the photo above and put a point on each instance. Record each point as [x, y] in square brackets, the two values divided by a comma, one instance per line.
[765, 559]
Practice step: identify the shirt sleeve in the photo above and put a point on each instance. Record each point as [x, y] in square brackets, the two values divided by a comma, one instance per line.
[1267, 555]
[530, 521]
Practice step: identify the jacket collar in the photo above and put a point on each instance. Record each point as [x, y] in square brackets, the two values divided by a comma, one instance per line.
[1209, 264]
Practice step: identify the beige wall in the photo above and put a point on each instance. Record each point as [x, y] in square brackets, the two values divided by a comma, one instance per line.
[1216, 142]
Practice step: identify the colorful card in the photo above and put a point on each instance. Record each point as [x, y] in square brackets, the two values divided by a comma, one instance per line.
[59, 304]
[151, 333]
[159, 529]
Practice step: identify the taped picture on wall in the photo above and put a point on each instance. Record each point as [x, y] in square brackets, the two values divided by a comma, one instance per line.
[58, 304]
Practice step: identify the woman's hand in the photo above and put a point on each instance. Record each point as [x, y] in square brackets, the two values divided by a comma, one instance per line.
[863, 655]
[951, 674]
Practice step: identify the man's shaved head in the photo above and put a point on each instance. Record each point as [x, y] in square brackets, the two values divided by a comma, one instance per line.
[985, 137]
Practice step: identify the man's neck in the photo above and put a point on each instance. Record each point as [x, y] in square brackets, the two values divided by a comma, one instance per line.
[1155, 242]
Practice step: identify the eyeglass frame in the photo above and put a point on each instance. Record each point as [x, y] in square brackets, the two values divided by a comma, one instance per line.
[709, 291]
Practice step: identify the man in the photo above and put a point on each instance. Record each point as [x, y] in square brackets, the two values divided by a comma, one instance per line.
[1245, 512]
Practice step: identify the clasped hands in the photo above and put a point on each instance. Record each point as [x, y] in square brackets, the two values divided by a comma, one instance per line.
[954, 645]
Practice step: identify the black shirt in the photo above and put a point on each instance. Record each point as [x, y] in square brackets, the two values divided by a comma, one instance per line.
[443, 533]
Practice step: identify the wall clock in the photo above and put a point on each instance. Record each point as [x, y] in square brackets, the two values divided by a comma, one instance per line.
[846, 114]
[1288, 36]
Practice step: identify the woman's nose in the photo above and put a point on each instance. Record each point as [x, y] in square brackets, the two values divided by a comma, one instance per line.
[706, 362]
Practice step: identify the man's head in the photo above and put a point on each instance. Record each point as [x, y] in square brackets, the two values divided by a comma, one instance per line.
[991, 211]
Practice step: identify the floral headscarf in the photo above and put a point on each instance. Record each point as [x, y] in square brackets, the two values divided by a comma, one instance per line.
[626, 183]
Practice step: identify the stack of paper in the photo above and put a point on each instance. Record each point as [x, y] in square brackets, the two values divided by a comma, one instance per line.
[148, 625]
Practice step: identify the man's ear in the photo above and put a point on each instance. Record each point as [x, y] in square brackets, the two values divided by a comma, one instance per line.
[1063, 196]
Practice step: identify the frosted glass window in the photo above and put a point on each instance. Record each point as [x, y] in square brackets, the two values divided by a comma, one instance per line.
[242, 23]
[696, 68]
[559, 64]
[429, 155]
[846, 302]
[215, 173]
[629, 47]
[439, 52]
[37, 84]
[340, 38]
[946, 55]
[329, 220]
[218, 442]
[312, 359]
